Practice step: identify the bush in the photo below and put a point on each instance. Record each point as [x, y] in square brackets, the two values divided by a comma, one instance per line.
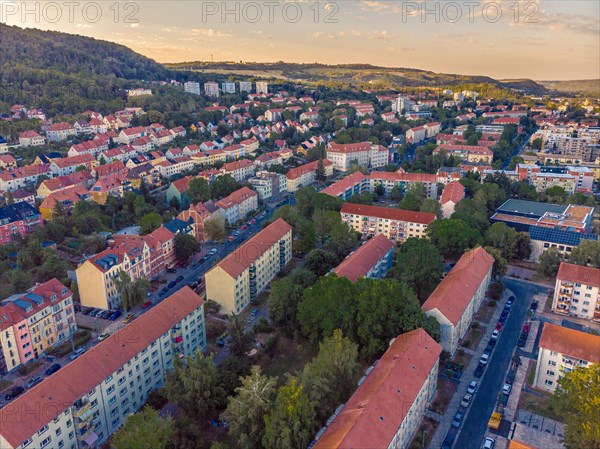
[24, 370]
[496, 290]
[492, 303]
[211, 306]
[262, 327]
[270, 345]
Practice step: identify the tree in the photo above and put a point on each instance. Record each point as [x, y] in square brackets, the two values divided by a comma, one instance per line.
[198, 190]
[576, 400]
[185, 247]
[246, 410]
[144, 430]
[413, 198]
[537, 143]
[343, 240]
[379, 190]
[500, 264]
[131, 293]
[241, 341]
[490, 196]
[150, 222]
[453, 237]
[214, 229]
[329, 378]
[320, 261]
[283, 304]
[432, 206]
[291, 422]
[556, 192]
[222, 186]
[174, 204]
[475, 215]
[586, 254]
[419, 264]
[194, 385]
[502, 237]
[523, 250]
[396, 193]
[361, 198]
[550, 262]
[302, 277]
[320, 172]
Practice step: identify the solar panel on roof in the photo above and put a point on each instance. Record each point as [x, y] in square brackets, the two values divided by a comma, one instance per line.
[559, 236]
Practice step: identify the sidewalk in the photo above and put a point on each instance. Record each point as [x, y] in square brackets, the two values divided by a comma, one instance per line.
[468, 375]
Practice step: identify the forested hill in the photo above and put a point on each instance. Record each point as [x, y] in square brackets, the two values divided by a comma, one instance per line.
[69, 53]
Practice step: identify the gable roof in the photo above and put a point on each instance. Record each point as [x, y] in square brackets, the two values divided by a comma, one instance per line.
[371, 417]
[358, 264]
[452, 296]
[580, 274]
[454, 192]
[571, 342]
[388, 212]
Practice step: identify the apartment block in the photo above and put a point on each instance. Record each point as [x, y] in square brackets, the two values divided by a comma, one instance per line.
[364, 154]
[192, 87]
[561, 351]
[458, 297]
[386, 409]
[345, 188]
[240, 170]
[404, 181]
[228, 87]
[268, 184]
[396, 224]
[237, 279]
[305, 175]
[451, 195]
[85, 402]
[245, 86]
[577, 292]
[18, 220]
[211, 89]
[372, 260]
[32, 322]
[262, 87]
[238, 205]
[469, 153]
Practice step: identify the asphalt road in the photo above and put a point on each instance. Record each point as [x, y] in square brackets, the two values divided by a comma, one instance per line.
[475, 423]
[519, 148]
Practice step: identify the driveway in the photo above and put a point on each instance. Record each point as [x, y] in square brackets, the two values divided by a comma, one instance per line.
[475, 423]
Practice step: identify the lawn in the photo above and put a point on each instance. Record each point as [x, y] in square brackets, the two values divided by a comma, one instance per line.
[485, 313]
[288, 357]
[473, 337]
[538, 404]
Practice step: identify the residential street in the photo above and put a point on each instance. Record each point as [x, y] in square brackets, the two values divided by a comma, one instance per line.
[475, 423]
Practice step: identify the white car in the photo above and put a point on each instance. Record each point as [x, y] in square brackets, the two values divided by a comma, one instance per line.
[484, 359]
[466, 400]
[506, 389]
[495, 334]
[213, 251]
[488, 443]
[472, 387]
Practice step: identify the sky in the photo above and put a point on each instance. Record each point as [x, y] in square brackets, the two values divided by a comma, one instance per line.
[537, 39]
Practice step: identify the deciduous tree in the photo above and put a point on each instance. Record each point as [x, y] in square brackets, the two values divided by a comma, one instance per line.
[453, 237]
[185, 246]
[144, 430]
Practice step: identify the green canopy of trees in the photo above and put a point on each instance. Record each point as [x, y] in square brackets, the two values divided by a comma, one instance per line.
[144, 430]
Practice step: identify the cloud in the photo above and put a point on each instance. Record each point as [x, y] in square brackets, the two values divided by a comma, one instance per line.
[134, 25]
[83, 25]
[381, 7]
[381, 36]
[208, 32]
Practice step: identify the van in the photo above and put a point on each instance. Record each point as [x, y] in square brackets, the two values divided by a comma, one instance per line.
[34, 381]
[76, 353]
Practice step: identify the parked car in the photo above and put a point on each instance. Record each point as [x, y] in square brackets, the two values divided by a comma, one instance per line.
[76, 353]
[506, 389]
[522, 342]
[171, 284]
[472, 387]
[179, 279]
[146, 304]
[52, 369]
[488, 443]
[99, 313]
[14, 392]
[457, 419]
[466, 400]
[254, 312]
[495, 334]
[510, 300]
[204, 258]
[231, 238]
[171, 270]
[499, 326]
[252, 221]
[34, 381]
[488, 349]
[526, 328]
[116, 314]
[86, 311]
[244, 227]
[534, 305]
[128, 318]
[106, 314]
[103, 336]
[485, 358]
[213, 251]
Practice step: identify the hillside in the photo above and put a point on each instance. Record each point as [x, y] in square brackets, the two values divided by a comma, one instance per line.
[353, 74]
[586, 87]
[69, 53]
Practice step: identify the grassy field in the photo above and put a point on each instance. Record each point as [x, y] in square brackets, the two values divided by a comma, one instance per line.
[538, 404]
[289, 357]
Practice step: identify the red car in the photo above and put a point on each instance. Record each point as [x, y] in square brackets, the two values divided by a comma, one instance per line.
[244, 227]
[526, 328]
[146, 304]
[499, 326]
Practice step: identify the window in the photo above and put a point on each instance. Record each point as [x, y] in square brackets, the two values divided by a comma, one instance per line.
[550, 373]
[42, 430]
[548, 382]
[45, 442]
[58, 432]
[110, 389]
[552, 363]
[108, 379]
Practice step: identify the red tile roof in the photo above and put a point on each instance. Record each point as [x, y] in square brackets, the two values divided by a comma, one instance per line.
[61, 390]
[237, 197]
[454, 192]
[344, 184]
[571, 342]
[350, 147]
[388, 212]
[237, 165]
[454, 293]
[240, 259]
[373, 414]
[403, 177]
[577, 273]
[358, 264]
[295, 173]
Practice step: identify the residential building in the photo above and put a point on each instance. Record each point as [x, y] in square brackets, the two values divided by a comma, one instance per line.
[228, 87]
[67, 165]
[386, 409]
[572, 179]
[396, 224]
[237, 279]
[306, 174]
[239, 170]
[238, 205]
[91, 397]
[577, 292]
[115, 185]
[549, 225]
[64, 199]
[372, 260]
[31, 139]
[401, 105]
[32, 322]
[268, 184]
[211, 89]
[23, 177]
[431, 129]
[192, 87]
[452, 194]
[345, 188]
[364, 154]
[60, 131]
[458, 297]
[177, 190]
[262, 87]
[469, 153]
[197, 215]
[404, 181]
[18, 219]
[7, 161]
[245, 86]
[561, 350]
[81, 178]
[416, 134]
